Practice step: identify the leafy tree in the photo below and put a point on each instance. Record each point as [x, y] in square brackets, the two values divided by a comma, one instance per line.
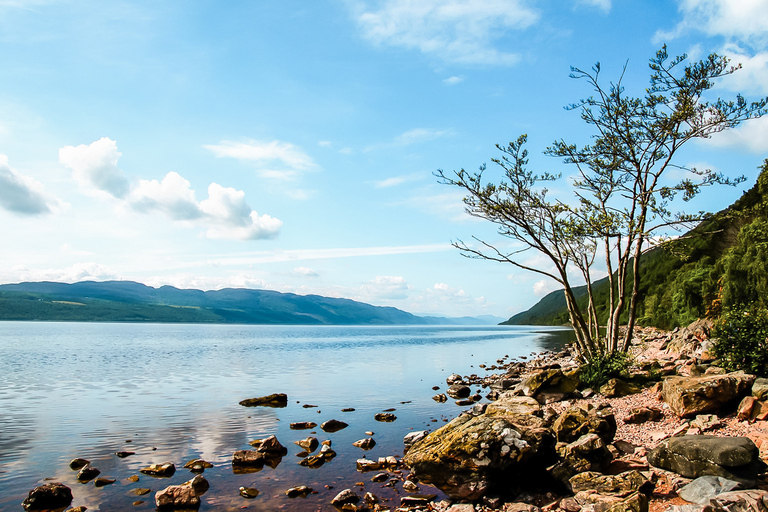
[622, 191]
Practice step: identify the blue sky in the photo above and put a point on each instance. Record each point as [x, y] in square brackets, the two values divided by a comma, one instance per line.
[291, 145]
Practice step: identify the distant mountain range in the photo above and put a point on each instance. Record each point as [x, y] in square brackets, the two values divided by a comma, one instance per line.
[127, 301]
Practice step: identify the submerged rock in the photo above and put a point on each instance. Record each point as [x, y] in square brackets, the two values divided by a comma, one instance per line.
[50, 496]
[385, 417]
[87, 473]
[248, 492]
[78, 463]
[300, 491]
[162, 470]
[303, 425]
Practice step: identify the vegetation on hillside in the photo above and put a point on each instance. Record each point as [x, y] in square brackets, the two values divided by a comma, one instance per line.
[721, 265]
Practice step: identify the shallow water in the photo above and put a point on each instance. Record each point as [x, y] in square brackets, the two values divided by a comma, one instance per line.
[170, 393]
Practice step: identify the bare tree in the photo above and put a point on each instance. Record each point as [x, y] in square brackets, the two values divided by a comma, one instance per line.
[622, 190]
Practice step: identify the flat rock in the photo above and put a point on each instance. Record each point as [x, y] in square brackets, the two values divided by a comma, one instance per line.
[734, 458]
[163, 470]
[273, 400]
[303, 425]
[690, 396]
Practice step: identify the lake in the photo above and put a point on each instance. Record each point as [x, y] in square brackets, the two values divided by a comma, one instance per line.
[170, 392]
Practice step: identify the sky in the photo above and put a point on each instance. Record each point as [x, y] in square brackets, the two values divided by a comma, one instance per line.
[291, 145]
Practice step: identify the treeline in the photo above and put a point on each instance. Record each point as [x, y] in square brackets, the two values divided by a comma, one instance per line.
[721, 264]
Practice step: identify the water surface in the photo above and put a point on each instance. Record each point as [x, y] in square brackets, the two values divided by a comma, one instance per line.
[170, 392]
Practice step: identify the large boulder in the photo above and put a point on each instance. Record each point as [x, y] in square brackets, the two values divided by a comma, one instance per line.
[576, 422]
[473, 454]
[509, 404]
[689, 396]
[50, 496]
[734, 458]
[550, 385]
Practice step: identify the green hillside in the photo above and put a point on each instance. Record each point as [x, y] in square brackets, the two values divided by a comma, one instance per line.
[124, 301]
[722, 263]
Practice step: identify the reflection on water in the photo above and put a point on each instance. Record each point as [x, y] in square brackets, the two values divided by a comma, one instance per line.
[171, 393]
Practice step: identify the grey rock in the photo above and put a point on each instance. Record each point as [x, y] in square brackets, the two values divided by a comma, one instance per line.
[760, 389]
[704, 488]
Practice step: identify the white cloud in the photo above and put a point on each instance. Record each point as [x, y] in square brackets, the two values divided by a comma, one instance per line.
[418, 135]
[224, 214]
[172, 196]
[462, 31]
[22, 194]
[233, 218]
[275, 159]
[753, 75]
[545, 286]
[84, 271]
[305, 271]
[386, 287]
[453, 80]
[744, 20]
[751, 135]
[604, 5]
[95, 166]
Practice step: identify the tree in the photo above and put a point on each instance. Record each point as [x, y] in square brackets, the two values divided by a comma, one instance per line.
[622, 191]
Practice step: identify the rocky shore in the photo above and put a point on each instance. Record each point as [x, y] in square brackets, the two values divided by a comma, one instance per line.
[678, 434]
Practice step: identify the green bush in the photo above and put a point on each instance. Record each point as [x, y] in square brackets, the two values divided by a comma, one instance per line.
[601, 369]
[741, 340]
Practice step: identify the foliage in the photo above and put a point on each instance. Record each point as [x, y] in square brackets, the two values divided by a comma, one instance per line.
[741, 339]
[599, 370]
[622, 196]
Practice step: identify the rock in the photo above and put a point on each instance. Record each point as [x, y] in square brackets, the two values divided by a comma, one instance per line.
[380, 477]
[310, 444]
[409, 486]
[50, 496]
[760, 388]
[575, 422]
[273, 400]
[162, 470]
[387, 417]
[303, 425]
[519, 507]
[705, 488]
[78, 463]
[550, 385]
[300, 491]
[365, 444]
[364, 465]
[123, 455]
[271, 446]
[184, 496]
[141, 491]
[333, 426]
[617, 388]
[248, 492]
[101, 482]
[248, 458]
[344, 497]
[752, 500]
[587, 453]
[748, 409]
[412, 438]
[326, 452]
[643, 414]
[87, 473]
[705, 422]
[441, 398]
[197, 465]
[689, 396]
[453, 378]
[734, 458]
[614, 485]
[313, 461]
[472, 454]
[417, 500]
[458, 391]
[370, 499]
[509, 404]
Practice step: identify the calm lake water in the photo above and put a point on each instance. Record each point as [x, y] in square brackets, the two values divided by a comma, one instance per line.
[170, 393]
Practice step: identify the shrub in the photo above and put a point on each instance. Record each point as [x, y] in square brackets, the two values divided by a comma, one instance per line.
[741, 340]
[603, 368]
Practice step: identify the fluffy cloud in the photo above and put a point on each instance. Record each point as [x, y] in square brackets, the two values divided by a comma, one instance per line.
[304, 271]
[21, 194]
[545, 286]
[460, 31]
[746, 20]
[224, 214]
[85, 271]
[95, 166]
[387, 287]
